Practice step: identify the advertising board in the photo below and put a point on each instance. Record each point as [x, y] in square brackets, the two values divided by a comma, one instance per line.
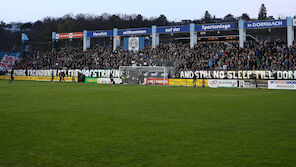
[246, 84]
[102, 80]
[174, 29]
[262, 84]
[141, 31]
[282, 84]
[39, 78]
[266, 24]
[222, 83]
[188, 82]
[100, 34]
[215, 27]
[156, 81]
[91, 80]
[69, 35]
[108, 81]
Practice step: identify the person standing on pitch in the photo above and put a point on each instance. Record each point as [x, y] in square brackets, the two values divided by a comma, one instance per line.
[63, 75]
[52, 77]
[111, 79]
[11, 76]
[60, 75]
[194, 80]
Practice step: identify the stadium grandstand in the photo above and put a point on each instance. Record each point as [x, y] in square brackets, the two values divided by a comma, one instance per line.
[256, 55]
[127, 91]
[180, 49]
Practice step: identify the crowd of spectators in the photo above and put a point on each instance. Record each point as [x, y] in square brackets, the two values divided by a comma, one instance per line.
[259, 55]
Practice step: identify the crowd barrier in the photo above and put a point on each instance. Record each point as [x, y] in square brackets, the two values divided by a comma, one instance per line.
[36, 78]
[212, 83]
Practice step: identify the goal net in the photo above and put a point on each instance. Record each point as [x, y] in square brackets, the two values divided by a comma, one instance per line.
[144, 75]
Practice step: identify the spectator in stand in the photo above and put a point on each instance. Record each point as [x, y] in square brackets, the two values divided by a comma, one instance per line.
[258, 55]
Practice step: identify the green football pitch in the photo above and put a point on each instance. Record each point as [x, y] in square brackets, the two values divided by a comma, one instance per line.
[46, 124]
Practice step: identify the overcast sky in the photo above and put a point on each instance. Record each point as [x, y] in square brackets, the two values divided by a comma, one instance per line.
[175, 10]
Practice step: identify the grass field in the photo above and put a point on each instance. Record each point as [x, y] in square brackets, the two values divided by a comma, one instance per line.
[46, 124]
